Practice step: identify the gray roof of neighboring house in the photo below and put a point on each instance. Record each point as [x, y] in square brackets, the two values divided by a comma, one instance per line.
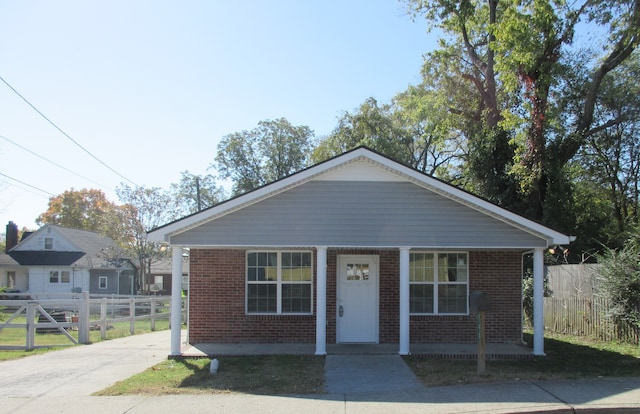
[7, 261]
[41, 258]
[94, 251]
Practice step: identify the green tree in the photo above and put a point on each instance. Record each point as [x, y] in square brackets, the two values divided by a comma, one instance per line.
[410, 130]
[370, 125]
[144, 209]
[194, 193]
[612, 155]
[269, 152]
[619, 281]
[526, 107]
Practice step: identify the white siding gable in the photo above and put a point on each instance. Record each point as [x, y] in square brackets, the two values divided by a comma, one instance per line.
[360, 170]
[36, 242]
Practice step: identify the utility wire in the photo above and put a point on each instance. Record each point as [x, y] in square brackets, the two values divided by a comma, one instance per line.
[56, 164]
[64, 133]
[28, 185]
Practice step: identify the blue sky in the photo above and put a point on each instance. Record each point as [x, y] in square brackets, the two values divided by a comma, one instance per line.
[150, 87]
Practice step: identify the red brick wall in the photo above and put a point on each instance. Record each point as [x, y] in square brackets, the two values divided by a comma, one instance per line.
[217, 305]
[217, 302]
[498, 274]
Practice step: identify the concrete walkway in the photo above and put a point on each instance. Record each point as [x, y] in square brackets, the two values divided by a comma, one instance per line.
[362, 374]
[63, 381]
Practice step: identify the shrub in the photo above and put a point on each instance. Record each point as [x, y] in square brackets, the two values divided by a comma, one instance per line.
[619, 281]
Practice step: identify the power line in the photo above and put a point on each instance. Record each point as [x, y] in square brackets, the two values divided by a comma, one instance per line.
[64, 133]
[54, 163]
[28, 185]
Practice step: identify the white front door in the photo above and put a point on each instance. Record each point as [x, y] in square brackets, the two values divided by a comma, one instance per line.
[357, 302]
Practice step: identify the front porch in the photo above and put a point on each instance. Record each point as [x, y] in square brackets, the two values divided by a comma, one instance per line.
[442, 351]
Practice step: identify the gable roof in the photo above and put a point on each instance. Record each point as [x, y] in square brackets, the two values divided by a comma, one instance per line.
[363, 165]
[87, 249]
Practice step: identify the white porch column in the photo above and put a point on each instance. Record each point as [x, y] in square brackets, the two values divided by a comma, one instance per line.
[404, 301]
[538, 302]
[176, 300]
[321, 301]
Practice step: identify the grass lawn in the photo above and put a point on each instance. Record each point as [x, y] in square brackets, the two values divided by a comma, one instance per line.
[54, 341]
[567, 357]
[277, 374]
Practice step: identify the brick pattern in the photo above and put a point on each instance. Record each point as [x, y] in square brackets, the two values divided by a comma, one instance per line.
[498, 274]
[217, 302]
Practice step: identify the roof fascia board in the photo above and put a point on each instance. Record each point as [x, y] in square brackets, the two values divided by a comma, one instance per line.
[276, 247]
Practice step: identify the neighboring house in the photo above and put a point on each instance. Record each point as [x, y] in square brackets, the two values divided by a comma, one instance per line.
[357, 249]
[158, 280]
[56, 259]
[13, 276]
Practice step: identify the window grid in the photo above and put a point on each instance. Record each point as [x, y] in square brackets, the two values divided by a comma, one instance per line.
[59, 276]
[438, 283]
[279, 282]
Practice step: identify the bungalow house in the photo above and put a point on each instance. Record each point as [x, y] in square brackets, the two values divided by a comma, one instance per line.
[357, 249]
[57, 259]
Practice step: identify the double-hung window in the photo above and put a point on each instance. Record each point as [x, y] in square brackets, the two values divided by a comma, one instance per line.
[438, 283]
[279, 282]
[56, 276]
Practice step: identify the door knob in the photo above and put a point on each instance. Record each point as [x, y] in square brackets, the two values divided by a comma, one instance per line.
[341, 311]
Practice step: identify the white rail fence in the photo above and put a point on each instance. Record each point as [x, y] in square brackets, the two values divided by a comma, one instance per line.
[62, 313]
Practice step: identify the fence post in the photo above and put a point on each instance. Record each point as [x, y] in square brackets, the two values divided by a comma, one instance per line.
[103, 319]
[185, 304]
[153, 314]
[83, 319]
[132, 316]
[31, 325]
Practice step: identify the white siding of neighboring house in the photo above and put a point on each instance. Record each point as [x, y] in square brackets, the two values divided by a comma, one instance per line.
[21, 278]
[37, 240]
[39, 280]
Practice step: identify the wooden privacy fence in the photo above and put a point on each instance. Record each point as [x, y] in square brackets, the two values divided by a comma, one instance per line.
[584, 317]
[78, 312]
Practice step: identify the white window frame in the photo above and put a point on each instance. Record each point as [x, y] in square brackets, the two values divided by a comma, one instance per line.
[279, 282]
[60, 277]
[106, 282]
[65, 276]
[158, 283]
[436, 283]
[48, 243]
